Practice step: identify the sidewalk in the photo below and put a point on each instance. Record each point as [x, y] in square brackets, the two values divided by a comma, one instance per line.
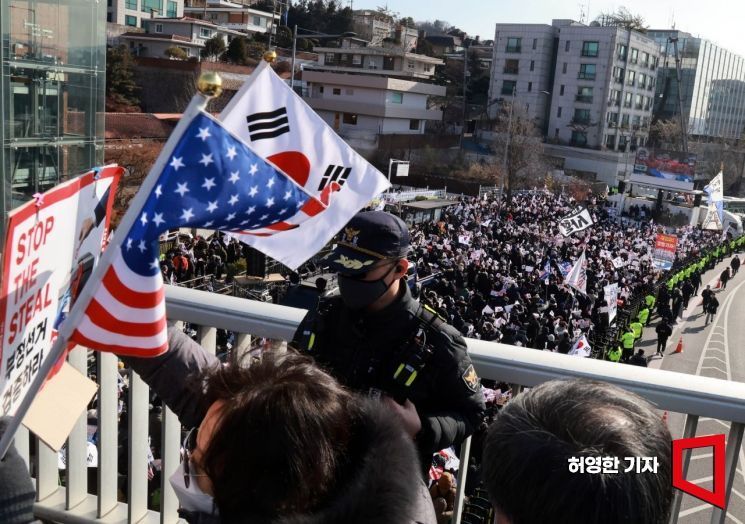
[648, 340]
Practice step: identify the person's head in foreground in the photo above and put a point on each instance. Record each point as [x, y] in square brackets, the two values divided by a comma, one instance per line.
[528, 447]
[282, 441]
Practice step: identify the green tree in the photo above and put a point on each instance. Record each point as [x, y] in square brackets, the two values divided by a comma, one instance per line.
[121, 89]
[237, 52]
[214, 47]
[176, 52]
[324, 16]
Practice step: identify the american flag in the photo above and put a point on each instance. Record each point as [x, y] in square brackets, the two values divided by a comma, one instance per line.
[211, 180]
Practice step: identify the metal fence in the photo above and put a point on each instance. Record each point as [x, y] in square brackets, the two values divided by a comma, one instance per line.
[695, 396]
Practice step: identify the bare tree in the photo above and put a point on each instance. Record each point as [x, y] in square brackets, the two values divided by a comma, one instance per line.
[525, 163]
[666, 134]
[622, 17]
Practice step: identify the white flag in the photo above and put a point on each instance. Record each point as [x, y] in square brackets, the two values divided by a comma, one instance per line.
[715, 189]
[712, 220]
[283, 129]
[581, 348]
[577, 276]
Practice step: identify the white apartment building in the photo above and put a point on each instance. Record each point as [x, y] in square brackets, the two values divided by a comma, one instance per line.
[133, 13]
[586, 86]
[371, 90]
[235, 16]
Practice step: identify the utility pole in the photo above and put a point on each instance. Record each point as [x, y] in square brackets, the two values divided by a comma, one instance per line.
[505, 159]
[465, 86]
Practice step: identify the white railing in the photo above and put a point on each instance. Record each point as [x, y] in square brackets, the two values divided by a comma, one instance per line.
[408, 196]
[695, 396]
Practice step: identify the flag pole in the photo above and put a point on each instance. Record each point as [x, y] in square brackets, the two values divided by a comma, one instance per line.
[209, 85]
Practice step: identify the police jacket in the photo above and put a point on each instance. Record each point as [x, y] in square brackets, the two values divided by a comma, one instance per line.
[383, 485]
[402, 352]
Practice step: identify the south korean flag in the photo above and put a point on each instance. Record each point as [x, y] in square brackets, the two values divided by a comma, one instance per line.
[284, 130]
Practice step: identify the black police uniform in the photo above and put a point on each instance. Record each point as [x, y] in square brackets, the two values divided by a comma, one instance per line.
[404, 351]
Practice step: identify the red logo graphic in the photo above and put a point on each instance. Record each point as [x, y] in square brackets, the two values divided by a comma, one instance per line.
[716, 497]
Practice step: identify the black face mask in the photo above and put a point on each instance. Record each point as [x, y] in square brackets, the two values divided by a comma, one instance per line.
[359, 294]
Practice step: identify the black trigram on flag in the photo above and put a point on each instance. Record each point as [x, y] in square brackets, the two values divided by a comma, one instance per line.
[270, 124]
[338, 174]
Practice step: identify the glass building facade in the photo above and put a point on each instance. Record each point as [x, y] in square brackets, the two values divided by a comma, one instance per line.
[52, 93]
[712, 85]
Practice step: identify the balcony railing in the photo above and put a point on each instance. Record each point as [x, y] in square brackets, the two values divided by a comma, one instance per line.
[614, 102]
[510, 71]
[695, 396]
[585, 99]
[586, 76]
[513, 49]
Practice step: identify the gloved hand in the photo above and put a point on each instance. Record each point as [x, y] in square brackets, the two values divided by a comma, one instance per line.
[16, 488]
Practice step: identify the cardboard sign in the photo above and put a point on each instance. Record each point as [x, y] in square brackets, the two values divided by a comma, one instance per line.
[51, 247]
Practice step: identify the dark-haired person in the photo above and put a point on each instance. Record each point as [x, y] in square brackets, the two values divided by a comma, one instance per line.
[282, 441]
[377, 339]
[528, 449]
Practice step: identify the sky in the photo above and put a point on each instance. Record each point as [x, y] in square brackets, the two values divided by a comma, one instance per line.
[717, 20]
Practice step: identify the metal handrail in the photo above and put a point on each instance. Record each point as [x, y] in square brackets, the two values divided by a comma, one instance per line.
[696, 396]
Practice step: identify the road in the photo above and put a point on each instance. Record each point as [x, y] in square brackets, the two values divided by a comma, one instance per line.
[711, 351]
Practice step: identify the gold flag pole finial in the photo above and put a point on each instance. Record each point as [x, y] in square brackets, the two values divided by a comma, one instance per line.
[270, 56]
[210, 84]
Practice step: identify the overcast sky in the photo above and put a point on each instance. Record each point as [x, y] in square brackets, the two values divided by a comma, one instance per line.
[717, 20]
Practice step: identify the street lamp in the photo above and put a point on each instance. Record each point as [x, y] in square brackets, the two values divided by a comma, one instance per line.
[314, 35]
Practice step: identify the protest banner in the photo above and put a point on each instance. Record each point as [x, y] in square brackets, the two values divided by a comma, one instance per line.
[577, 220]
[610, 293]
[51, 246]
[665, 247]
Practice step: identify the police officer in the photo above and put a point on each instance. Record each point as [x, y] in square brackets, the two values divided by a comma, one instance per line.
[377, 339]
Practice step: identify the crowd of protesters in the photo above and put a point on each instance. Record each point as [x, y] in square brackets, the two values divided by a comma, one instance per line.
[193, 257]
[500, 266]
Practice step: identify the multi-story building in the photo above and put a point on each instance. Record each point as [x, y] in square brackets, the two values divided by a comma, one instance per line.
[189, 34]
[381, 30]
[133, 13]
[235, 16]
[372, 90]
[52, 92]
[712, 85]
[585, 86]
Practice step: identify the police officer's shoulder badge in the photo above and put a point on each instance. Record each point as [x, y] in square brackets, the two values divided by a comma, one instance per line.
[471, 379]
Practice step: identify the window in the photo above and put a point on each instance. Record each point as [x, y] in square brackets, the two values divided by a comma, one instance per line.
[410, 65]
[618, 74]
[427, 68]
[320, 89]
[511, 67]
[579, 138]
[257, 21]
[621, 51]
[610, 141]
[158, 28]
[564, 68]
[150, 6]
[532, 65]
[414, 124]
[130, 4]
[513, 45]
[330, 58]
[397, 97]
[108, 17]
[558, 113]
[530, 86]
[566, 46]
[356, 59]
[623, 140]
[612, 118]
[172, 9]
[556, 133]
[204, 32]
[581, 116]
[587, 72]
[590, 49]
[584, 94]
[535, 43]
[638, 104]
[634, 55]
[627, 100]
[642, 80]
[350, 119]
[624, 120]
[645, 59]
[336, 91]
[561, 90]
[130, 20]
[630, 78]
[636, 121]
[508, 87]
[615, 98]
